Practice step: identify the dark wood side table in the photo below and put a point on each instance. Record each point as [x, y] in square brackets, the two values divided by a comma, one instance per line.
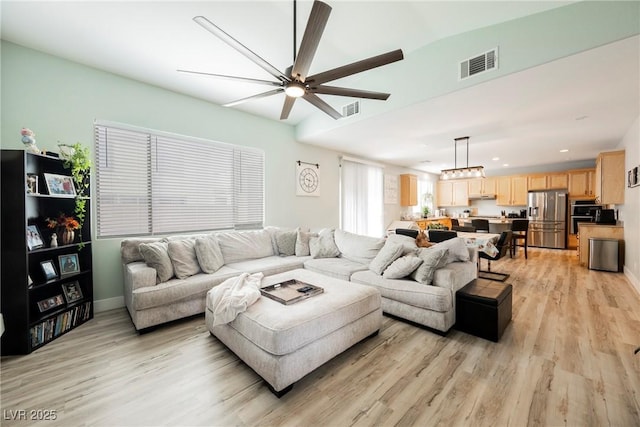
[483, 308]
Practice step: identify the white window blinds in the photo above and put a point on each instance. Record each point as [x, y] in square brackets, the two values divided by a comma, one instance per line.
[188, 184]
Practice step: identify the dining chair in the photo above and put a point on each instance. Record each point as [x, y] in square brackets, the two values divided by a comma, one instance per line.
[437, 236]
[520, 229]
[407, 232]
[481, 225]
[503, 245]
[467, 228]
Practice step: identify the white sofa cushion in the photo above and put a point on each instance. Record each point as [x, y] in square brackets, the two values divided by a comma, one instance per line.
[209, 254]
[409, 243]
[156, 256]
[302, 242]
[358, 248]
[389, 253]
[243, 245]
[402, 267]
[269, 265]
[408, 292]
[286, 242]
[458, 250]
[433, 258]
[324, 246]
[183, 257]
[339, 268]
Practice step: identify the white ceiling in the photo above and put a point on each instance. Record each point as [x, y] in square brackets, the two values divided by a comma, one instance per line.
[583, 103]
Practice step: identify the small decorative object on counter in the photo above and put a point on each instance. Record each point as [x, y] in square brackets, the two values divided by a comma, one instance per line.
[29, 141]
[65, 227]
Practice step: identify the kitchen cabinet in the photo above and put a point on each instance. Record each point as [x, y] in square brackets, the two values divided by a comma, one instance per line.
[511, 190]
[588, 230]
[553, 181]
[482, 187]
[581, 183]
[610, 178]
[453, 193]
[408, 190]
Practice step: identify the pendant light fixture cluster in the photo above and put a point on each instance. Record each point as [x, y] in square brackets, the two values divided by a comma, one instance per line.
[461, 173]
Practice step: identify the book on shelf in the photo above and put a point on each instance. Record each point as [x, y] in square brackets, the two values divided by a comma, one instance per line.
[290, 291]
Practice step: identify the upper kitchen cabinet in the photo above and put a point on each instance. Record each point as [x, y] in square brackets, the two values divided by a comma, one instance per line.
[453, 193]
[581, 183]
[610, 178]
[512, 190]
[408, 190]
[482, 187]
[553, 181]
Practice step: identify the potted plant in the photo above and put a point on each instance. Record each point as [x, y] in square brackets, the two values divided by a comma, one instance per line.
[77, 159]
[425, 211]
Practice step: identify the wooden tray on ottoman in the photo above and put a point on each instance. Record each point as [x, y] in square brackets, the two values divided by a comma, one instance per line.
[288, 292]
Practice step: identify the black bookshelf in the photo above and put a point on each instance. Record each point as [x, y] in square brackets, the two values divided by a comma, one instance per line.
[28, 324]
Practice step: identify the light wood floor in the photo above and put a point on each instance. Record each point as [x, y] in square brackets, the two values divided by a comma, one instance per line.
[566, 359]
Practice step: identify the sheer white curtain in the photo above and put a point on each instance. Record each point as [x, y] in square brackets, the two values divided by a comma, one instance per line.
[362, 209]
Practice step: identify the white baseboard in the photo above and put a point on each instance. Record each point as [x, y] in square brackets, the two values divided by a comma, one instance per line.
[108, 304]
[633, 279]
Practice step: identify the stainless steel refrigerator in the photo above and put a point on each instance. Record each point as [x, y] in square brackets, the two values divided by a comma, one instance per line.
[548, 219]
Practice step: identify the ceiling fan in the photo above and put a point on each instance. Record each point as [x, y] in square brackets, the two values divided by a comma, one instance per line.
[295, 82]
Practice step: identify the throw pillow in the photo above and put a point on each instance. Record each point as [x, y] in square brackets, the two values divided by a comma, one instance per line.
[156, 256]
[457, 249]
[402, 267]
[389, 253]
[183, 257]
[302, 242]
[432, 259]
[209, 254]
[323, 246]
[286, 242]
[409, 243]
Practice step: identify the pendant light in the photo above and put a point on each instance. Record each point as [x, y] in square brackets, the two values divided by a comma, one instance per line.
[461, 173]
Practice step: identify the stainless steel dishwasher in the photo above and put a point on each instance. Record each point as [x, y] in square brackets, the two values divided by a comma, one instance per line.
[605, 254]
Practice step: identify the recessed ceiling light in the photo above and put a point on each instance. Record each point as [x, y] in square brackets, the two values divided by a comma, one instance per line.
[564, 150]
[505, 164]
[495, 158]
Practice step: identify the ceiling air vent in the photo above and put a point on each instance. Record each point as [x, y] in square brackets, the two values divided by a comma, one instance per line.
[351, 109]
[479, 64]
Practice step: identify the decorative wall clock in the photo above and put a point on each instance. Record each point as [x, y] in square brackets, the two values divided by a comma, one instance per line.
[307, 179]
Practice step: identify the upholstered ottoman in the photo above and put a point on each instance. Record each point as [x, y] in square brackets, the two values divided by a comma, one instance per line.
[283, 343]
[483, 308]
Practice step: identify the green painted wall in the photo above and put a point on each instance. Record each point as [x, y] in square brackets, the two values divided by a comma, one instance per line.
[59, 101]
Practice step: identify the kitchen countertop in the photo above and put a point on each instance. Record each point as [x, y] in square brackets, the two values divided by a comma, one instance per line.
[492, 219]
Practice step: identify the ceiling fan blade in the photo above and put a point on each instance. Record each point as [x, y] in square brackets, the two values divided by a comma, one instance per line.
[286, 107]
[355, 93]
[218, 32]
[311, 39]
[252, 97]
[240, 79]
[356, 67]
[319, 103]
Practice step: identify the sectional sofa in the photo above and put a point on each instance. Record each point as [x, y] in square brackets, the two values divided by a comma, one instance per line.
[168, 278]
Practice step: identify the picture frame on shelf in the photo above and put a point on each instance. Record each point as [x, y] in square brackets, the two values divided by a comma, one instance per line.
[49, 270]
[59, 185]
[72, 292]
[32, 183]
[68, 264]
[50, 303]
[34, 238]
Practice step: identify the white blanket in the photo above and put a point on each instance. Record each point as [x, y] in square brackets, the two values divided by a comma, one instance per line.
[234, 295]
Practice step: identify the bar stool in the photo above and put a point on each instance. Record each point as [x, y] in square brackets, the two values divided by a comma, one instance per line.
[520, 231]
[481, 225]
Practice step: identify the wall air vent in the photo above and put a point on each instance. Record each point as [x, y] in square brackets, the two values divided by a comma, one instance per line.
[351, 109]
[479, 64]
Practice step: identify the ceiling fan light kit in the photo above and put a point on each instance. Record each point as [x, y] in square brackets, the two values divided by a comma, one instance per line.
[295, 83]
[465, 172]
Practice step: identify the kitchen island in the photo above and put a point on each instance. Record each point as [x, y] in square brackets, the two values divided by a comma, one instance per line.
[496, 224]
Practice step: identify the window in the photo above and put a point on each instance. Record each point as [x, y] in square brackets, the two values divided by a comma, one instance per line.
[150, 182]
[361, 198]
[425, 195]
